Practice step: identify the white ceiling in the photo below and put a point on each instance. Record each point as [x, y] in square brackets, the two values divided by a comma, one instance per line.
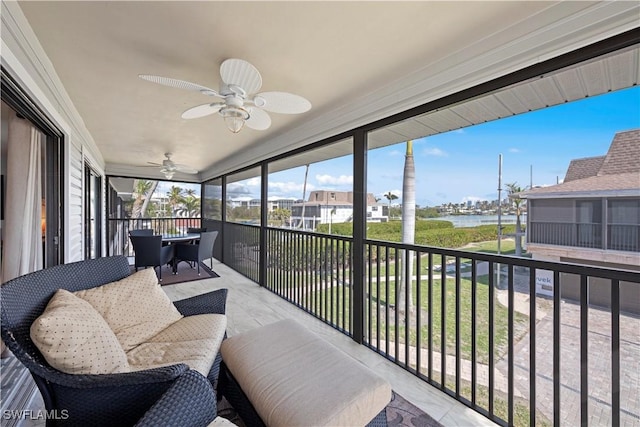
[353, 60]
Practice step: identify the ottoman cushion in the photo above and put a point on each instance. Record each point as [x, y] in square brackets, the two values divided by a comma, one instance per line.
[294, 378]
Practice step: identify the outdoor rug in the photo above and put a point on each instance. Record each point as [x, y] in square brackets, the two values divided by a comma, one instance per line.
[400, 413]
[185, 273]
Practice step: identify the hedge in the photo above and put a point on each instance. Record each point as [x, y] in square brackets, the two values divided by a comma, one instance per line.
[428, 233]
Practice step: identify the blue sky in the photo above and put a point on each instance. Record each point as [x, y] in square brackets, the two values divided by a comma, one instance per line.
[463, 165]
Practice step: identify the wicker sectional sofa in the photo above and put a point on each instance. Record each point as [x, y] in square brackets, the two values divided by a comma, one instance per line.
[123, 396]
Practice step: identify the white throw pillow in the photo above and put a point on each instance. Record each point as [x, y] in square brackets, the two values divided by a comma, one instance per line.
[136, 308]
[75, 339]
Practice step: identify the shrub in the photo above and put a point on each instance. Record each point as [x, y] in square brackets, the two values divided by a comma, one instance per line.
[428, 233]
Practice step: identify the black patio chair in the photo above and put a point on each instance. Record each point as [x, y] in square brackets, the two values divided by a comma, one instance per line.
[96, 400]
[149, 252]
[196, 230]
[141, 232]
[193, 230]
[197, 252]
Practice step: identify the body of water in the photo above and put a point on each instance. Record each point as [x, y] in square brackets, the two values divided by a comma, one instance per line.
[475, 220]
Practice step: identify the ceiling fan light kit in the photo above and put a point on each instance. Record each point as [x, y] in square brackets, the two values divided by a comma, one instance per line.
[234, 118]
[240, 104]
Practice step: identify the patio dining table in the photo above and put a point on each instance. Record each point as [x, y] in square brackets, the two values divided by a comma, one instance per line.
[179, 238]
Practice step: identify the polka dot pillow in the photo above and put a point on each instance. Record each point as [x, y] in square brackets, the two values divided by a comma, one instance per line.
[75, 339]
[136, 308]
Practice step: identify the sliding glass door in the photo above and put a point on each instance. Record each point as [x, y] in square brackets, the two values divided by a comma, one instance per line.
[92, 213]
[31, 169]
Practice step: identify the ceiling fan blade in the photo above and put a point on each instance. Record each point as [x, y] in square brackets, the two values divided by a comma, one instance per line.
[180, 84]
[241, 73]
[185, 169]
[258, 119]
[282, 102]
[155, 164]
[202, 110]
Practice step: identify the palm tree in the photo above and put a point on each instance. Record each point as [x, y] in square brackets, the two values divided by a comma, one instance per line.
[408, 229]
[304, 195]
[390, 196]
[142, 191]
[175, 197]
[514, 191]
[190, 207]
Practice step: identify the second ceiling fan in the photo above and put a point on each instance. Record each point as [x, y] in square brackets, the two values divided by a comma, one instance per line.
[240, 103]
[168, 167]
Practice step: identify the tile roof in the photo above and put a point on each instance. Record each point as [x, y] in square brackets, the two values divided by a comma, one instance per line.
[623, 155]
[624, 182]
[583, 168]
[618, 171]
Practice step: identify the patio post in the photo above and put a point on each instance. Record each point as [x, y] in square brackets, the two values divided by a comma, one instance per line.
[359, 232]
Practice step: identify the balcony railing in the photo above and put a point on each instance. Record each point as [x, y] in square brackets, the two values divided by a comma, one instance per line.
[474, 325]
[623, 237]
[586, 235]
[312, 271]
[118, 230]
[241, 250]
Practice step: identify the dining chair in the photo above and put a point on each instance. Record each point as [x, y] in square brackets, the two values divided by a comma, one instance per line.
[198, 252]
[193, 230]
[141, 232]
[196, 230]
[149, 252]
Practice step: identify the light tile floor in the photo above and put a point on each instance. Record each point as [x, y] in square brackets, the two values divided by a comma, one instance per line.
[250, 306]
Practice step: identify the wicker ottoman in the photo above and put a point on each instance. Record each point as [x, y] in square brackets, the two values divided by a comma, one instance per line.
[284, 375]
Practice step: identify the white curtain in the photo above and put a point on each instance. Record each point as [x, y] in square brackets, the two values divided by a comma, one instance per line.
[22, 246]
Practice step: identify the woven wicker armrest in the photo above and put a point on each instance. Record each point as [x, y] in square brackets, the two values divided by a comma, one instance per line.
[112, 399]
[189, 402]
[209, 303]
[148, 376]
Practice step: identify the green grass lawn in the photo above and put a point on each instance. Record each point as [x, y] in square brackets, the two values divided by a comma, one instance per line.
[481, 321]
[332, 303]
[507, 247]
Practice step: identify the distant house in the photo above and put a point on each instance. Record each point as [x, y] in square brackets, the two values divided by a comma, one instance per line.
[593, 217]
[326, 207]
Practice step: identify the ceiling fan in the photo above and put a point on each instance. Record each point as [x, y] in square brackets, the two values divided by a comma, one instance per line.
[169, 168]
[240, 103]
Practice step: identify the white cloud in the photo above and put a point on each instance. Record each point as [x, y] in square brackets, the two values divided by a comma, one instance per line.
[458, 131]
[236, 190]
[396, 153]
[289, 187]
[254, 182]
[434, 151]
[514, 150]
[339, 180]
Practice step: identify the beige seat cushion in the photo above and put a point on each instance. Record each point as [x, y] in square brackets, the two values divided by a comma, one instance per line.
[294, 378]
[136, 308]
[194, 340]
[74, 338]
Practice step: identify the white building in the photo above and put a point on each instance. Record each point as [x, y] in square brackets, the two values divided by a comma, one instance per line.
[332, 207]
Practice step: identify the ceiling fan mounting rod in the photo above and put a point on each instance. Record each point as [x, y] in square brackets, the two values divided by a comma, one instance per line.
[234, 101]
